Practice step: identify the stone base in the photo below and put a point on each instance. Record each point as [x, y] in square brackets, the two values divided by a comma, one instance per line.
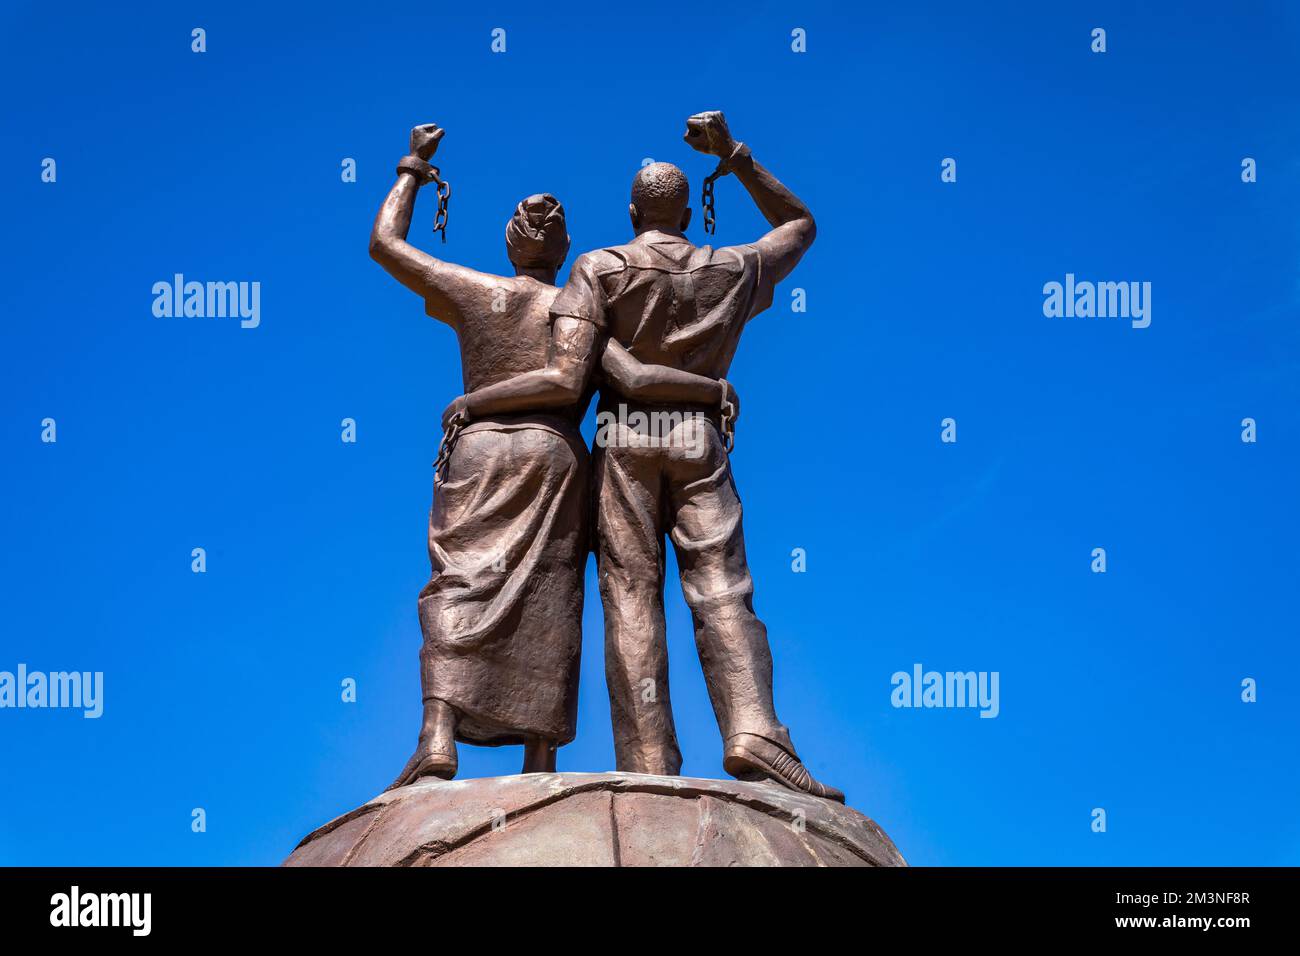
[597, 819]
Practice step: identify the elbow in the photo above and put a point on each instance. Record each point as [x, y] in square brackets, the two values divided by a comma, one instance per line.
[568, 387]
[628, 379]
[809, 229]
[385, 245]
[571, 393]
[381, 249]
[637, 383]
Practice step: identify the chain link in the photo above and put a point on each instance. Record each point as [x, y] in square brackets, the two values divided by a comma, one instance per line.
[728, 419]
[444, 196]
[449, 435]
[710, 220]
[724, 167]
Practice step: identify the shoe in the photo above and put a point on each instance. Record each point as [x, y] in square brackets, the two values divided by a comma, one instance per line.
[750, 757]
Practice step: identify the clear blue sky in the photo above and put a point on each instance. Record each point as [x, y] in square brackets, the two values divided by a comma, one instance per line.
[222, 690]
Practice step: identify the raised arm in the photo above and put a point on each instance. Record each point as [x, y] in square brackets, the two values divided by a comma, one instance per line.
[451, 291]
[793, 227]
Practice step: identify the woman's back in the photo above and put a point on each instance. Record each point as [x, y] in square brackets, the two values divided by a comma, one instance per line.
[509, 335]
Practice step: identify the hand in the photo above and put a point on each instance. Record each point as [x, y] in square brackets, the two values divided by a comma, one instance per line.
[458, 410]
[730, 395]
[425, 140]
[708, 133]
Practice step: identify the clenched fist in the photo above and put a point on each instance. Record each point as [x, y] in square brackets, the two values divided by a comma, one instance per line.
[708, 133]
[425, 140]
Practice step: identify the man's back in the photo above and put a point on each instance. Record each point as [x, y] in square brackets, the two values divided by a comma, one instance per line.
[669, 302]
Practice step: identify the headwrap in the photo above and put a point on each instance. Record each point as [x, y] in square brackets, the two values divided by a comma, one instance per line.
[535, 235]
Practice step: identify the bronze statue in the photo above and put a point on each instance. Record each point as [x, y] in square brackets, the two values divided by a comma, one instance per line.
[664, 302]
[501, 615]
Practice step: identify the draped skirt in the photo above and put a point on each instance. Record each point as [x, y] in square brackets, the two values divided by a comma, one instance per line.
[502, 612]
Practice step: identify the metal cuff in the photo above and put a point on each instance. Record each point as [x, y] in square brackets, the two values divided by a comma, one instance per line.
[422, 171]
[739, 156]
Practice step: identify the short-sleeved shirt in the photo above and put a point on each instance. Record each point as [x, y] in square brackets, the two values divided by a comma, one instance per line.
[669, 302]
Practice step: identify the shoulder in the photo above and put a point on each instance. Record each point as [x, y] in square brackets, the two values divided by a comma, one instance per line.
[600, 262]
[586, 293]
[455, 293]
[746, 254]
[461, 282]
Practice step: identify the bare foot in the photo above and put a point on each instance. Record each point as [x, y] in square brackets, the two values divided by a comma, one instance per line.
[425, 762]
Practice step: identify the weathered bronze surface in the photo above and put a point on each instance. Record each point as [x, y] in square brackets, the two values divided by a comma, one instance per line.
[597, 819]
[653, 325]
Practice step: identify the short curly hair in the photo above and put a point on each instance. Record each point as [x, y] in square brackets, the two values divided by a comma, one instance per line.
[660, 191]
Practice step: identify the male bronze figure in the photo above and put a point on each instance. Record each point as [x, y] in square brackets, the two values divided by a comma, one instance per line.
[665, 302]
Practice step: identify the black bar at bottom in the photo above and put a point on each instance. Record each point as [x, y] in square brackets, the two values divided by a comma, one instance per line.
[430, 907]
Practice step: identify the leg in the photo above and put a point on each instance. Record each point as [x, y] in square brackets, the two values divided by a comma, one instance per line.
[630, 566]
[732, 642]
[539, 755]
[435, 754]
